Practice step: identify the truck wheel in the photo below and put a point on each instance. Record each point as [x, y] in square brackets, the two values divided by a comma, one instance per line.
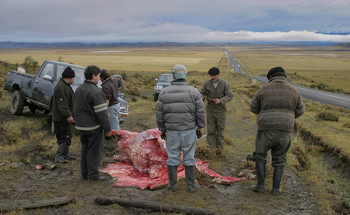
[156, 97]
[17, 103]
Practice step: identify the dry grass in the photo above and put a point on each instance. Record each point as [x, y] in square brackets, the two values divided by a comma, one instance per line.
[158, 59]
[316, 65]
[142, 65]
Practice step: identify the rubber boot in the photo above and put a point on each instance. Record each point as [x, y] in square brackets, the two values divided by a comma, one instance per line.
[172, 173]
[260, 174]
[277, 176]
[60, 153]
[192, 186]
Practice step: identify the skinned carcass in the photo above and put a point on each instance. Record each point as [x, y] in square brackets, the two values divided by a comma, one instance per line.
[142, 162]
[145, 150]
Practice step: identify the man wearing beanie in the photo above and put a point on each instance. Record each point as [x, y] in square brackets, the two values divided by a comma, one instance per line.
[62, 114]
[217, 92]
[179, 111]
[278, 103]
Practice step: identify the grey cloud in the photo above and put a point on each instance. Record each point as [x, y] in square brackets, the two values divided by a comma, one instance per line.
[165, 20]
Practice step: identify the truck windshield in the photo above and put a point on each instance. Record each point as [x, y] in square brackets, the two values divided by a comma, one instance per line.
[166, 78]
[79, 73]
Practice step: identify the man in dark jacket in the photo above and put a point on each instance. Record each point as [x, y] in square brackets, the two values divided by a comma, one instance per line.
[92, 121]
[110, 89]
[278, 103]
[179, 111]
[218, 92]
[62, 115]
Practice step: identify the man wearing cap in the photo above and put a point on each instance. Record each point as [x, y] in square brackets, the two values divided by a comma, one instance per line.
[179, 111]
[278, 103]
[62, 115]
[217, 92]
[110, 89]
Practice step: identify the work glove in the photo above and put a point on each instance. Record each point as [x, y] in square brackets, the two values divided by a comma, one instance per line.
[163, 135]
[199, 133]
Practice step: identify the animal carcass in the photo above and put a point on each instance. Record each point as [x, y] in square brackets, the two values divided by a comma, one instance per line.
[145, 150]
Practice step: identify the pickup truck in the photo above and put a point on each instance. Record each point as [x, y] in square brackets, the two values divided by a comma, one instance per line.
[35, 91]
[163, 82]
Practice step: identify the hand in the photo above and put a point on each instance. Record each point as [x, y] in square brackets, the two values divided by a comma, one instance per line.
[216, 101]
[163, 135]
[199, 133]
[109, 134]
[70, 120]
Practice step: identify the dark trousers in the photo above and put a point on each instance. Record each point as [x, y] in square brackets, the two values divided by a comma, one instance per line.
[277, 141]
[64, 133]
[91, 149]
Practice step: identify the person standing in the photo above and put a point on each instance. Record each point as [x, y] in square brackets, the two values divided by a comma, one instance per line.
[277, 104]
[110, 89]
[62, 115]
[218, 92]
[92, 121]
[179, 111]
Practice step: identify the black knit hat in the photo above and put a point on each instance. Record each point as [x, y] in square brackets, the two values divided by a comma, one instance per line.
[68, 73]
[276, 71]
[214, 71]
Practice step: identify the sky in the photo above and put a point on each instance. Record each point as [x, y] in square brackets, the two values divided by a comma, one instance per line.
[185, 21]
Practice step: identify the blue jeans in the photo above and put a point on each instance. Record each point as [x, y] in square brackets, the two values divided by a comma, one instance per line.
[177, 141]
[113, 115]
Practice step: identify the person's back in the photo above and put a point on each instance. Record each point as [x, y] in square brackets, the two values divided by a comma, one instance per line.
[278, 104]
[179, 111]
[180, 106]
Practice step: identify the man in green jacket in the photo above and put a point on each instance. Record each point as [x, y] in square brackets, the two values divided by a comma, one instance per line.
[62, 115]
[218, 92]
[278, 103]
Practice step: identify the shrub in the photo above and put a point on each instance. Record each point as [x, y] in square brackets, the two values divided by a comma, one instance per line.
[327, 116]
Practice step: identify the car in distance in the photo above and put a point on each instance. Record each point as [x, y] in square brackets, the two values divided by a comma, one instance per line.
[163, 81]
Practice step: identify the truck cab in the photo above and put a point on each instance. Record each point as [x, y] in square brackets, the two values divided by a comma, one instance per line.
[163, 81]
[36, 91]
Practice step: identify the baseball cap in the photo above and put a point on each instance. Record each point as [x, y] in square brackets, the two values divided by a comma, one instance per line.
[180, 71]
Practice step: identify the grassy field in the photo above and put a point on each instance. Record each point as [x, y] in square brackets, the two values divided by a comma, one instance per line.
[320, 67]
[153, 59]
[141, 65]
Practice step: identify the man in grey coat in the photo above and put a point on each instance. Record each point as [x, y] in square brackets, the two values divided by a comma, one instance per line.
[179, 111]
[278, 103]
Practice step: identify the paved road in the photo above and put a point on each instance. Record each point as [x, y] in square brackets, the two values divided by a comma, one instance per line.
[235, 67]
[320, 96]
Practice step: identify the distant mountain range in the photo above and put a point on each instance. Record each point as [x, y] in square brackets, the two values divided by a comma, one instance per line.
[79, 44]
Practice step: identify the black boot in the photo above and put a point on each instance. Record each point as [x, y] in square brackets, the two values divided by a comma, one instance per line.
[192, 186]
[277, 176]
[260, 174]
[172, 173]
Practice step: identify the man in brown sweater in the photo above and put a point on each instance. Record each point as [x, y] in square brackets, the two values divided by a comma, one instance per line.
[278, 103]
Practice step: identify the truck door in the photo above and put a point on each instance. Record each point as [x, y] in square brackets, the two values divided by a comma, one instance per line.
[44, 84]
